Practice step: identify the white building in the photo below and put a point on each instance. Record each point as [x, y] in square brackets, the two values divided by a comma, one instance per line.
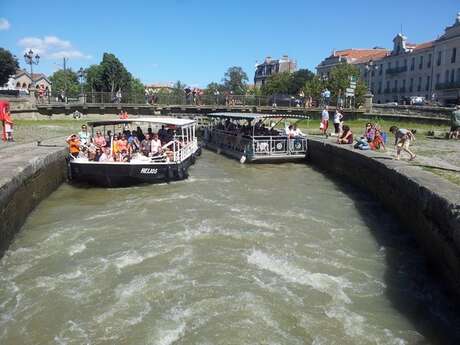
[430, 70]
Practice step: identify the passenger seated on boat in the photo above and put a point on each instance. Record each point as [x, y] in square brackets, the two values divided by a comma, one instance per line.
[74, 145]
[105, 155]
[115, 148]
[124, 156]
[83, 152]
[134, 143]
[91, 152]
[108, 138]
[123, 143]
[99, 140]
[98, 154]
[297, 132]
[84, 135]
[146, 145]
[162, 133]
[156, 145]
[140, 134]
[150, 132]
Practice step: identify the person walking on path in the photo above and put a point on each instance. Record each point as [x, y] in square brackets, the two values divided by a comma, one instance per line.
[403, 138]
[324, 121]
[455, 123]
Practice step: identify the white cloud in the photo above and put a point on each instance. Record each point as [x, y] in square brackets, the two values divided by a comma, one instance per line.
[51, 47]
[4, 24]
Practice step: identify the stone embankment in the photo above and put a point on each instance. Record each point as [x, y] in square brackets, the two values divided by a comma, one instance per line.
[28, 174]
[425, 203]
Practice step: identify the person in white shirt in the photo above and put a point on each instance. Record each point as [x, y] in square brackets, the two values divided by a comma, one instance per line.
[324, 121]
[84, 136]
[337, 119]
[156, 145]
[297, 132]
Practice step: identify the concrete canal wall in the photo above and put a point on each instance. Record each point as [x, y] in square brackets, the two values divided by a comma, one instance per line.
[424, 202]
[28, 174]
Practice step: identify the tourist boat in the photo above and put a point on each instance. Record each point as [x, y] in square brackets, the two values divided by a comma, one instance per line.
[257, 137]
[182, 149]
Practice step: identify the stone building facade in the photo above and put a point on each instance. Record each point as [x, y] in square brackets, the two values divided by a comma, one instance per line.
[430, 70]
[22, 81]
[273, 66]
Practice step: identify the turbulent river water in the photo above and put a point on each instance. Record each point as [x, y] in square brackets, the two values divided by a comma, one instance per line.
[236, 254]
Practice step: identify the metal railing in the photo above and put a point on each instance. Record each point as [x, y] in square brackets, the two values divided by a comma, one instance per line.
[277, 145]
[183, 99]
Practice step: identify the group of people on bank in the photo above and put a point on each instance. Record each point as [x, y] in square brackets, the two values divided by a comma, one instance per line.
[373, 137]
[123, 146]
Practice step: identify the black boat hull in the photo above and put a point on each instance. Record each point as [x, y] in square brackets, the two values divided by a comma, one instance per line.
[127, 174]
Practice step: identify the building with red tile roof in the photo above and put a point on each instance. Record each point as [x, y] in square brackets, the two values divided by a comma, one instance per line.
[430, 70]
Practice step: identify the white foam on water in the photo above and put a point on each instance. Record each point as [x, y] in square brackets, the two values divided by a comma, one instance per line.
[76, 248]
[333, 286]
[138, 319]
[128, 259]
[71, 275]
[355, 326]
[170, 336]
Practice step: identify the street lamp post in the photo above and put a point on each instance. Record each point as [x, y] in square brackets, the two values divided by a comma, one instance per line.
[370, 68]
[81, 74]
[31, 60]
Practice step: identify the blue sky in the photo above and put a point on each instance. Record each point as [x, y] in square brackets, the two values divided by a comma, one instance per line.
[196, 41]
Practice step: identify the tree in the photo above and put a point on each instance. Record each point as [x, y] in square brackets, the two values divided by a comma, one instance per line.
[136, 90]
[8, 66]
[94, 78]
[313, 88]
[277, 84]
[339, 81]
[114, 75]
[214, 87]
[298, 80]
[66, 81]
[235, 80]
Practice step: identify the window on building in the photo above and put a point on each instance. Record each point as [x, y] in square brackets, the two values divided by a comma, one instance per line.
[380, 69]
[452, 76]
[446, 77]
[458, 75]
[412, 64]
[420, 65]
[405, 63]
[411, 85]
[403, 88]
[397, 63]
[427, 86]
[454, 55]
[396, 86]
[379, 90]
[419, 85]
[428, 64]
[438, 62]
[389, 65]
[438, 78]
[388, 86]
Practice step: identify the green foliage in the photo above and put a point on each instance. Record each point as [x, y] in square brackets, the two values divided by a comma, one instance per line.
[279, 83]
[114, 75]
[214, 87]
[8, 65]
[235, 80]
[93, 78]
[313, 88]
[66, 81]
[299, 79]
[340, 80]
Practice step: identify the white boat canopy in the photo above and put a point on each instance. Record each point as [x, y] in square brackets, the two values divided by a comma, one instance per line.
[256, 116]
[154, 119]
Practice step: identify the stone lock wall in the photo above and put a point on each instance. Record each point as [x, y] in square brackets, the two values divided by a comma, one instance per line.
[29, 173]
[424, 202]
